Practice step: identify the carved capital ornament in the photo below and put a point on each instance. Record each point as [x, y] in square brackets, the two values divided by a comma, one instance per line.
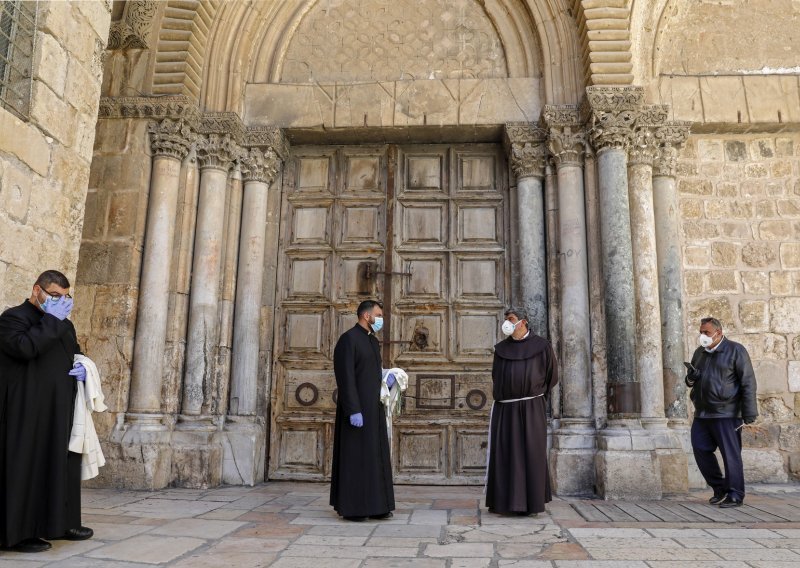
[172, 138]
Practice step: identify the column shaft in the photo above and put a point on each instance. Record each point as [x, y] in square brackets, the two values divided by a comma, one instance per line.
[532, 249]
[623, 388]
[553, 278]
[648, 310]
[151, 321]
[248, 298]
[203, 333]
[575, 323]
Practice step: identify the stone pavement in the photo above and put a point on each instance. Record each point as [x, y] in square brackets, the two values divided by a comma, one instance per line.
[290, 525]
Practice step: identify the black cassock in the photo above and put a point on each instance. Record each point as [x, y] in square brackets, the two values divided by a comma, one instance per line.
[40, 479]
[361, 478]
[518, 479]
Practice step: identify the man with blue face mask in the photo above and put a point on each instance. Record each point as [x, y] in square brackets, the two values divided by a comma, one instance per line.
[724, 396]
[361, 477]
[40, 478]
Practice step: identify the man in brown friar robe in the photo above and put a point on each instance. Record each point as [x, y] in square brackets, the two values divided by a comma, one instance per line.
[361, 477]
[523, 372]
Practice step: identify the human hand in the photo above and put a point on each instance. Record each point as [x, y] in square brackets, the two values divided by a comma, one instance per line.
[749, 419]
[60, 308]
[79, 372]
[357, 420]
[390, 380]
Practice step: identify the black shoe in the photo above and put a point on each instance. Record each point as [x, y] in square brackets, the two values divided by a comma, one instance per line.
[717, 498]
[385, 516]
[81, 533]
[730, 502]
[32, 545]
[355, 519]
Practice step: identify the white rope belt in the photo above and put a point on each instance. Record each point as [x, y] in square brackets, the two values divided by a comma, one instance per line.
[518, 399]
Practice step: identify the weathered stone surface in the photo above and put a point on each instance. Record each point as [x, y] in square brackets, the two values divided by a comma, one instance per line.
[774, 409]
[695, 187]
[719, 308]
[763, 466]
[755, 283]
[790, 255]
[765, 436]
[785, 315]
[696, 256]
[722, 282]
[775, 230]
[15, 192]
[794, 373]
[780, 283]
[771, 376]
[723, 254]
[753, 315]
[790, 437]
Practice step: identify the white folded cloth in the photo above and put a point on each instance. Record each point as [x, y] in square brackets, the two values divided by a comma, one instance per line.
[390, 397]
[83, 439]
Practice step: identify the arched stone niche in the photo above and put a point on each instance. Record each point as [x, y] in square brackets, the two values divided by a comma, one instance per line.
[532, 42]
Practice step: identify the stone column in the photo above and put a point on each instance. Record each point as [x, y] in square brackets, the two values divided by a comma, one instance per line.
[669, 137]
[627, 465]
[170, 141]
[144, 438]
[573, 458]
[215, 154]
[527, 161]
[553, 280]
[645, 266]
[245, 439]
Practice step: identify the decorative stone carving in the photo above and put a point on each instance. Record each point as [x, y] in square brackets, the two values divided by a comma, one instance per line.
[525, 145]
[260, 165]
[615, 111]
[133, 30]
[217, 151]
[669, 138]
[270, 137]
[643, 143]
[615, 99]
[149, 107]
[228, 123]
[172, 138]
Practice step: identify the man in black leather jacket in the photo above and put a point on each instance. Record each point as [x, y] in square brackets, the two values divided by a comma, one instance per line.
[724, 396]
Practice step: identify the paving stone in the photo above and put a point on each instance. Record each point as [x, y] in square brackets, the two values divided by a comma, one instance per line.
[198, 528]
[83, 562]
[744, 533]
[348, 551]
[525, 563]
[314, 563]
[600, 564]
[408, 531]
[470, 562]
[458, 550]
[772, 564]
[249, 545]
[62, 549]
[115, 531]
[711, 542]
[748, 554]
[343, 529]
[517, 550]
[609, 532]
[678, 533]
[616, 542]
[563, 551]
[428, 518]
[698, 564]
[150, 549]
[644, 552]
[789, 533]
[20, 563]
[399, 541]
[793, 543]
[404, 563]
[222, 514]
[169, 508]
[331, 540]
[269, 530]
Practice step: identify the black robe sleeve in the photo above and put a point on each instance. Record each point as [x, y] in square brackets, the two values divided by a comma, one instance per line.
[21, 340]
[344, 367]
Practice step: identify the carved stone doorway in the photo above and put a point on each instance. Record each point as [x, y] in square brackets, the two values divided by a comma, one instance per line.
[422, 228]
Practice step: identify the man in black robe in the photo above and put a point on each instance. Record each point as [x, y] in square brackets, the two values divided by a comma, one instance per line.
[40, 479]
[523, 372]
[361, 478]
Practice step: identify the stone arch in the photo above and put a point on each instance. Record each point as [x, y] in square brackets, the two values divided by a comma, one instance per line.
[539, 37]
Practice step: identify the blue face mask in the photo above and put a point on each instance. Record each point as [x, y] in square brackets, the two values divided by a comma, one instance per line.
[378, 325]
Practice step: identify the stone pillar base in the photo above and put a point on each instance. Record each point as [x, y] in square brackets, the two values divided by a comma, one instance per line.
[138, 453]
[671, 455]
[572, 460]
[244, 445]
[681, 430]
[196, 452]
[627, 465]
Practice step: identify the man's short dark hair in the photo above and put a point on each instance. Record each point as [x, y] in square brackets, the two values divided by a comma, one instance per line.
[366, 306]
[519, 312]
[713, 321]
[52, 277]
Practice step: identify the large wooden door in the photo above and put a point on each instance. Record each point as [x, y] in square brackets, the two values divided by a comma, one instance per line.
[441, 270]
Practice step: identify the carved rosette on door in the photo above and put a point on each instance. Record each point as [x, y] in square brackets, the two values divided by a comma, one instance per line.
[421, 228]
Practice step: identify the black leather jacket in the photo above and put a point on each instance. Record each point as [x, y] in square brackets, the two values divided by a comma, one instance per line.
[726, 385]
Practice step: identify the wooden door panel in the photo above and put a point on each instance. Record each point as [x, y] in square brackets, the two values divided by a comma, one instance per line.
[446, 277]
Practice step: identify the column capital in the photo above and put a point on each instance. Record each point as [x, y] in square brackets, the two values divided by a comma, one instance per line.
[172, 138]
[670, 138]
[272, 138]
[525, 143]
[567, 135]
[217, 151]
[614, 114]
[259, 164]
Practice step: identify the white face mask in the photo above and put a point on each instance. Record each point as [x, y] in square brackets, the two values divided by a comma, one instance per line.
[378, 325]
[509, 327]
[704, 340]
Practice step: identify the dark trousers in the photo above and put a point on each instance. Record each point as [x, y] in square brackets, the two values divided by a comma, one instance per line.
[708, 434]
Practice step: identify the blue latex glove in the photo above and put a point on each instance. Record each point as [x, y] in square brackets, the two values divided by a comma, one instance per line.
[390, 380]
[79, 372]
[60, 308]
[357, 420]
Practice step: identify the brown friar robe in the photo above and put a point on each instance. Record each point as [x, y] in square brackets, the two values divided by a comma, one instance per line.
[518, 480]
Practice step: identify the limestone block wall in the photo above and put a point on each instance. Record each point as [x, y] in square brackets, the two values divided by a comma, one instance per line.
[44, 161]
[740, 210]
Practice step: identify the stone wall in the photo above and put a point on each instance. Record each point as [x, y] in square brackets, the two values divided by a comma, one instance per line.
[740, 209]
[44, 161]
